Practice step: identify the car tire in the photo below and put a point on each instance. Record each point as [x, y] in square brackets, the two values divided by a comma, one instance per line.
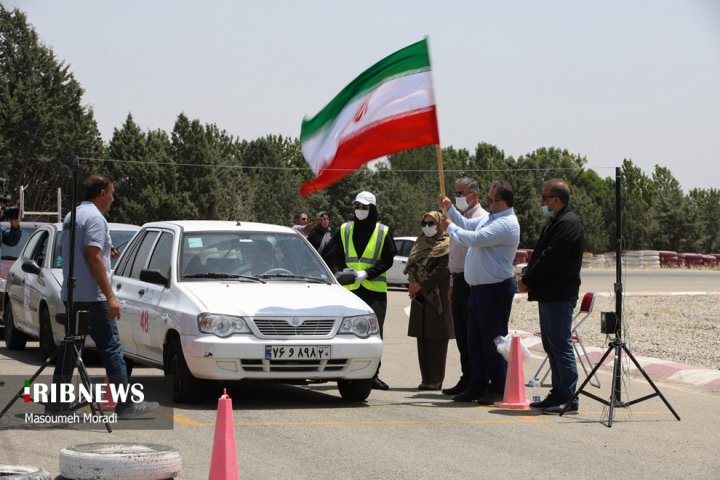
[355, 390]
[46, 339]
[14, 338]
[185, 387]
[126, 461]
[23, 472]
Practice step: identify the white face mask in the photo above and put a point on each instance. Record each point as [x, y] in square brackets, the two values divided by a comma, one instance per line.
[430, 231]
[461, 203]
[362, 214]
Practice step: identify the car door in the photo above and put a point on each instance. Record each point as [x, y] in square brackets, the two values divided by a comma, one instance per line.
[149, 333]
[395, 273]
[35, 286]
[17, 282]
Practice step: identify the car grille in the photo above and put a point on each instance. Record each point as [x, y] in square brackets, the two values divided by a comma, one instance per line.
[334, 365]
[281, 327]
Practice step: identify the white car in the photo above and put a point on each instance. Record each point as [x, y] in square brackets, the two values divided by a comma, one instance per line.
[234, 300]
[395, 275]
[32, 299]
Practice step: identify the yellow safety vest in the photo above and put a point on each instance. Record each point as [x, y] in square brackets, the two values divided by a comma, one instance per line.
[369, 256]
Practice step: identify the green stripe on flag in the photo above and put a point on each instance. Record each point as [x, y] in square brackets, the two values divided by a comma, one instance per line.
[27, 383]
[410, 59]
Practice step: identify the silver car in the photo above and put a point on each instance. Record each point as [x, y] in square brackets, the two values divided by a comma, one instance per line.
[32, 296]
[395, 275]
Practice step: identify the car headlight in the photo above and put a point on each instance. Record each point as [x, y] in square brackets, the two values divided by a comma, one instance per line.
[221, 325]
[363, 325]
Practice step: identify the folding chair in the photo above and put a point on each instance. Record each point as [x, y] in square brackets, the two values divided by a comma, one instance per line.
[585, 362]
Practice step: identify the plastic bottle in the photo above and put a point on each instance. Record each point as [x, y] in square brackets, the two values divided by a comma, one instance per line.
[535, 385]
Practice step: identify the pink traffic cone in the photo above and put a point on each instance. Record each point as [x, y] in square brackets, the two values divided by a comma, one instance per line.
[515, 381]
[223, 465]
[108, 404]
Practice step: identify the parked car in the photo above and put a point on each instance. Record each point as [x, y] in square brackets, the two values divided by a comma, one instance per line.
[395, 275]
[233, 300]
[33, 299]
[10, 253]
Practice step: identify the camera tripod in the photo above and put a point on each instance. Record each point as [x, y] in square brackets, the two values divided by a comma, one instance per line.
[70, 349]
[76, 327]
[617, 345]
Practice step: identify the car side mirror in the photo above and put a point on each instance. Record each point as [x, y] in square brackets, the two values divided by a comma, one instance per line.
[346, 277]
[29, 266]
[154, 276]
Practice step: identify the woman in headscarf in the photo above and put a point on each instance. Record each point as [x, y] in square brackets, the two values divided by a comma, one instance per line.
[430, 317]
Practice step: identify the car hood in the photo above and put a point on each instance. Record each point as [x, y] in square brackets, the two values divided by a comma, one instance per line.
[277, 298]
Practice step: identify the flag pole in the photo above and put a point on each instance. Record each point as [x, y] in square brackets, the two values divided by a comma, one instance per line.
[441, 173]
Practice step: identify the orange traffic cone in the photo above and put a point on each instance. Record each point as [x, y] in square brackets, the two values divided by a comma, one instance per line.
[223, 464]
[108, 404]
[515, 381]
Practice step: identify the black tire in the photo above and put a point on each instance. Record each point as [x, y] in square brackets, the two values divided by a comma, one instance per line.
[185, 387]
[23, 472]
[126, 461]
[14, 338]
[46, 339]
[355, 390]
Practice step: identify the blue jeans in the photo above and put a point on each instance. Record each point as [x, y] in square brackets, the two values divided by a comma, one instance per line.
[487, 318]
[556, 334]
[104, 333]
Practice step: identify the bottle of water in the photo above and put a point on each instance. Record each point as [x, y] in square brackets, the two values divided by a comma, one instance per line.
[535, 385]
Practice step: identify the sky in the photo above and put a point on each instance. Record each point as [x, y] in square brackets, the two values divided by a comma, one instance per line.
[635, 79]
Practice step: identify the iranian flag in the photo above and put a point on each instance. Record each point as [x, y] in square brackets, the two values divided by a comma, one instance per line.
[390, 107]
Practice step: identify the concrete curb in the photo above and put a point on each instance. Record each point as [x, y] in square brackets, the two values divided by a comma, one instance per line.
[656, 368]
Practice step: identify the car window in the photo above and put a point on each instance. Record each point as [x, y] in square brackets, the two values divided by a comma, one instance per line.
[122, 269]
[162, 255]
[41, 248]
[120, 240]
[248, 253]
[143, 252]
[11, 252]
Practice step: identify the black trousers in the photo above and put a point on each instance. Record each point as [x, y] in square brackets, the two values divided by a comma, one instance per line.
[378, 302]
[460, 295]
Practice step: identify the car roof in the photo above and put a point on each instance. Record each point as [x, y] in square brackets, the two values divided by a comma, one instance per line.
[27, 224]
[405, 238]
[112, 226]
[220, 225]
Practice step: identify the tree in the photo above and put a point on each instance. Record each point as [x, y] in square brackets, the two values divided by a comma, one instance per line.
[43, 124]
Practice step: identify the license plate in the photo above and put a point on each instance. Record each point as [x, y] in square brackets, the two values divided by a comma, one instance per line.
[297, 352]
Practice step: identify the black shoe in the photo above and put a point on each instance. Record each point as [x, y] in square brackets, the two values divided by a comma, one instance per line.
[548, 401]
[489, 398]
[468, 395]
[136, 410]
[379, 384]
[558, 409]
[457, 389]
[59, 408]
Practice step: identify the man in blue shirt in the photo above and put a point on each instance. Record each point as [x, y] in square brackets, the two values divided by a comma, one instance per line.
[492, 242]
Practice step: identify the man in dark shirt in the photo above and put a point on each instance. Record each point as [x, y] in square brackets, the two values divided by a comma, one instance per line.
[321, 237]
[552, 279]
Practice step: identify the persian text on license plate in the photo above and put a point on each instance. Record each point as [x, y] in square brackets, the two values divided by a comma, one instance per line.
[297, 352]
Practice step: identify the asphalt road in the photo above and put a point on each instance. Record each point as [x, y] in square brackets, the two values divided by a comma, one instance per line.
[285, 431]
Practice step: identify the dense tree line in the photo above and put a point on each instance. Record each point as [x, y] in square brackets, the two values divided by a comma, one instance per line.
[199, 171]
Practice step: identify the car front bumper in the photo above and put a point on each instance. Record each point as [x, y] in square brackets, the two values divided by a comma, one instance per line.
[243, 357]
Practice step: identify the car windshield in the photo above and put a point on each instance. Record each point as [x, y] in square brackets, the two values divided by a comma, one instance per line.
[242, 255]
[12, 252]
[120, 239]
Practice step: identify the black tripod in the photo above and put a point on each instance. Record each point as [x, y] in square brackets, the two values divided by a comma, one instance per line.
[76, 327]
[617, 345]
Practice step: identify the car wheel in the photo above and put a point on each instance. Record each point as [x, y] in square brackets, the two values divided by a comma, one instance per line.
[23, 472]
[14, 339]
[46, 340]
[355, 390]
[126, 461]
[185, 386]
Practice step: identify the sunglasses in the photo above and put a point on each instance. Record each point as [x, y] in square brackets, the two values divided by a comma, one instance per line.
[428, 224]
[360, 206]
[463, 194]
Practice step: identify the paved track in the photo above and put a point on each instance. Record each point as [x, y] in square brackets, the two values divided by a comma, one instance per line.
[308, 432]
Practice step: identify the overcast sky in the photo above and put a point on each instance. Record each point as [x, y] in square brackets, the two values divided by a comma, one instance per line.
[637, 79]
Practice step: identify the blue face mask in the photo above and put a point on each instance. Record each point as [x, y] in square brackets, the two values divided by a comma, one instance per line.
[546, 211]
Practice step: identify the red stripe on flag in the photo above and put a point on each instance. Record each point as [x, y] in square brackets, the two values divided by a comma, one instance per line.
[402, 133]
[27, 398]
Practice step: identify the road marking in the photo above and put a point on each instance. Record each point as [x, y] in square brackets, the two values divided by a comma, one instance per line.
[181, 419]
